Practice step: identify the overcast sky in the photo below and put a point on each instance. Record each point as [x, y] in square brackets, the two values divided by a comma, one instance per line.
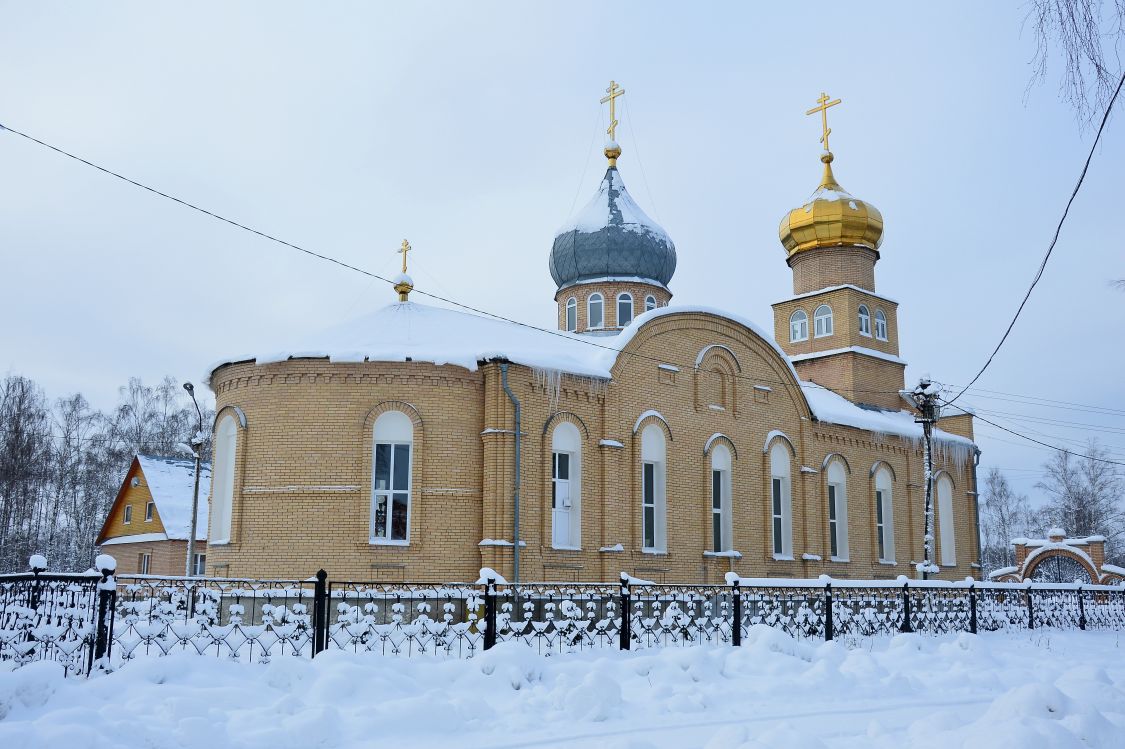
[474, 129]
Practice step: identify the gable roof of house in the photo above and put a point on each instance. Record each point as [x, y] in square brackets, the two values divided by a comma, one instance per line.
[171, 482]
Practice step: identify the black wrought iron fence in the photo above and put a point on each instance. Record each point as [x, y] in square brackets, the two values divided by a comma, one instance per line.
[92, 619]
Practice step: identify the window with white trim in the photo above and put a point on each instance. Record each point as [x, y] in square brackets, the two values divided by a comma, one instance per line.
[884, 516]
[721, 532]
[880, 325]
[150, 507]
[822, 321]
[781, 500]
[595, 311]
[222, 478]
[650, 303]
[566, 487]
[128, 515]
[653, 456]
[864, 320]
[798, 326]
[837, 511]
[392, 446]
[572, 314]
[143, 563]
[199, 565]
[624, 309]
[945, 521]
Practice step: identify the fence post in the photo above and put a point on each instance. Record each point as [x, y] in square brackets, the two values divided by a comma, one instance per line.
[624, 632]
[1030, 610]
[736, 624]
[1081, 610]
[973, 608]
[490, 613]
[829, 624]
[906, 625]
[320, 613]
[107, 602]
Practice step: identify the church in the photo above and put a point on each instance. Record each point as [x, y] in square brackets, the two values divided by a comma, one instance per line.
[673, 442]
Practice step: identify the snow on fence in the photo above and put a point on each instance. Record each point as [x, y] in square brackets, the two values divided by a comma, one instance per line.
[57, 617]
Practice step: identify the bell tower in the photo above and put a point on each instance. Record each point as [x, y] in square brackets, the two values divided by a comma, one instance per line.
[837, 330]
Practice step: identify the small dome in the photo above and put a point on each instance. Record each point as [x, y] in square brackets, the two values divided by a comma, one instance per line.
[612, 237]
[831, 218]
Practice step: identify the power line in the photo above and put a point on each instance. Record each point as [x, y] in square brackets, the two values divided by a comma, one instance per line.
[1054, 240]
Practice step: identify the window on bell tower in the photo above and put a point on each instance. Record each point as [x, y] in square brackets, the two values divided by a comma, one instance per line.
[798, 326]
[822, 321]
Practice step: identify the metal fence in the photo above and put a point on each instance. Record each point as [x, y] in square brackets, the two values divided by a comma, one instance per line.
[97, 620]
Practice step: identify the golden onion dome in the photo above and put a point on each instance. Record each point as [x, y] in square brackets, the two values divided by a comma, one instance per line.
[831, 218]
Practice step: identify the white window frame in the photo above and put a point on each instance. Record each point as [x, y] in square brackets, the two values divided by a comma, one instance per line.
[571, 315]
[946, 532]
[566, 440]
[884, 516]
[836, 499]
[222, 480]
[150, 511]
[199, 564]
[720, 490]
[781, 501]
[822, 321]
[798, 326]
[144, 564]
[650, 303]
[127, 515]
[622, 299]
[864, 321]
[653, 493]
[880, 325]
[393, 430]
[593, 300]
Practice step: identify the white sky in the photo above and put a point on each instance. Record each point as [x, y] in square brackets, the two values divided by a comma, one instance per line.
[474, 130]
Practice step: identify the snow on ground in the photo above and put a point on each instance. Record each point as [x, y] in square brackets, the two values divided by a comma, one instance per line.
[1040, 689]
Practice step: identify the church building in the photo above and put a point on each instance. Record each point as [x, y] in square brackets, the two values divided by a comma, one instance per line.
[674, 442]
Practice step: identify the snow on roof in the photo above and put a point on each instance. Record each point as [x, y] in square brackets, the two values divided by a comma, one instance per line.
[409, 331]
[171, 481]
[852, 349]
[598, 213]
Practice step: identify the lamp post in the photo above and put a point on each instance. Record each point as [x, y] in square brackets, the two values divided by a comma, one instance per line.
[197, 449]
[924, 397]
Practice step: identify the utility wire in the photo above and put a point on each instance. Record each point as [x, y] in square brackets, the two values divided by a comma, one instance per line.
[1054, 240]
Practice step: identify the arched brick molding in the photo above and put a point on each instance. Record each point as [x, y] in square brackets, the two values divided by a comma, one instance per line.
[382, 407]
[652, 417]
[720, 439]
[1032, 564]
[836, 456]
[560, 416]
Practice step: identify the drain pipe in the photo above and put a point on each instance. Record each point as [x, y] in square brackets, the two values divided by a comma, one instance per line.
[976, 511]
[515, 478]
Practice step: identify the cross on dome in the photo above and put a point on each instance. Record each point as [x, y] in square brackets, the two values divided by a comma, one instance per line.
[403, 283]
[824, 104]
[612, 150]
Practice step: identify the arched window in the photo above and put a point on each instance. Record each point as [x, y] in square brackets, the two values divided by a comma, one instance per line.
[798, 326]
[650, 302]
[653, 467]
[781, 505]
[884, 516]
[572, 314]
[624, 309]
[880, 325]
[720, 499]
[837, 511]
[864, 320]
[946, 535]
[595, 311]
[822, 321]
[222, 487]
[393, 443]
[566, 487]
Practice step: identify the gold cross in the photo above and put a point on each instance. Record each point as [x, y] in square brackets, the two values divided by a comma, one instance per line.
[823, 109]
[614, 91]
[404, 249]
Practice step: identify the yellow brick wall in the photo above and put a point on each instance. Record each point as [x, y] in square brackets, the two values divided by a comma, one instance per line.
[609, 292]
[303, 470]
[833, 266]
[167, 557]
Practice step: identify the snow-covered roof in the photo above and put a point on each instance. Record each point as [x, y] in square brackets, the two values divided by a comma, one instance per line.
[171, 481]
[1036, 542]
[409, 331]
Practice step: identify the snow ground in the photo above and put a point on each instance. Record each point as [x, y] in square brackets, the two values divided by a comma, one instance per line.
[1040, 689]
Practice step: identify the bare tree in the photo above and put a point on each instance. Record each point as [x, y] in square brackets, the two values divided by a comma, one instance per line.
[1084, 497]
[1086, 35]
[1005, 515]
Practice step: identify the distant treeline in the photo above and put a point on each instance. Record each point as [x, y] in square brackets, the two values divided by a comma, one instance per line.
[62, 462]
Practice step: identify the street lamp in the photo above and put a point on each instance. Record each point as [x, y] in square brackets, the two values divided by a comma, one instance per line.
[197, 449]
[924, 397]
